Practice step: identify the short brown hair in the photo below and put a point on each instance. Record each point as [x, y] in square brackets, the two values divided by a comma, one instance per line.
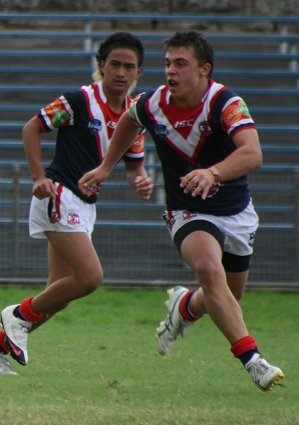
[202, 48]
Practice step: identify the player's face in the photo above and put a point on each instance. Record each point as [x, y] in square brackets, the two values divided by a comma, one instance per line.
[185, 76]
[120, 70]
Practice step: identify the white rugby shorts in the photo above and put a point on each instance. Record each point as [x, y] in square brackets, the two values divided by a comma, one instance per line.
[66, 213]
[238, 230]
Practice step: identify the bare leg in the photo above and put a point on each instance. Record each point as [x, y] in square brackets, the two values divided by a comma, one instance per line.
[237, 284]
[202, 252]
[73, 254]
[58, 269]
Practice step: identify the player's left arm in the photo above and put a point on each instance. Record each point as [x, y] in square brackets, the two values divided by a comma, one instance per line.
[238, 124]
[244, 159]
[247, 156]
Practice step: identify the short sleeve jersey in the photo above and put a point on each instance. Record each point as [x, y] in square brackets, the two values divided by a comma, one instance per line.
[85, 124]
[193, 138]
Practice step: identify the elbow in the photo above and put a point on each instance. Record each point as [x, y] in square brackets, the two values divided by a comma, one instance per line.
[257, 161]
[31, 127]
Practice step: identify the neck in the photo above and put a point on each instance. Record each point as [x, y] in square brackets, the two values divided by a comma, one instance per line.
[191, 99]
[116, 103]
[114, 100]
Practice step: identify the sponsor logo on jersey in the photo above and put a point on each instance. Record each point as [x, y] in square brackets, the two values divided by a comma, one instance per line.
[57, 112]
[235, 112]
[73, 219]
[184, 123]
[59, 118]
[161, 130]
[95, 126]
[138, 144]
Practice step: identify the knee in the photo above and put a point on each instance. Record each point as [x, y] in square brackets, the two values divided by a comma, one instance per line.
[209, 272]
[92, 281]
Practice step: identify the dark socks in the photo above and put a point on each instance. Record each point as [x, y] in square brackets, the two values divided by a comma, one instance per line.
[17, 313]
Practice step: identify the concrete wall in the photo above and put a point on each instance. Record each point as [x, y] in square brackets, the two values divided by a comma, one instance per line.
[244, 7]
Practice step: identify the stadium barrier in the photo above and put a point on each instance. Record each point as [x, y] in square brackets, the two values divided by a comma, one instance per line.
[14, 210]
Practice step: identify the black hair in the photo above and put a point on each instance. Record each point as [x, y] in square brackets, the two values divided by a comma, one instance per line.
[120, 40]
[202, 48]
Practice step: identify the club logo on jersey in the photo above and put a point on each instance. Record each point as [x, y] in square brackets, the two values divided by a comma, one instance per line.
[95, 126]
[73, 219]
[204, 128]
[161, 130]
[59, 118]
[235, 112]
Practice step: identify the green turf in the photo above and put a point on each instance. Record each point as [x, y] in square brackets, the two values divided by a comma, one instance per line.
[96, 364]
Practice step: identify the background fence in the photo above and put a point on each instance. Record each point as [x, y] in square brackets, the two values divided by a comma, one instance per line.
[39, 63]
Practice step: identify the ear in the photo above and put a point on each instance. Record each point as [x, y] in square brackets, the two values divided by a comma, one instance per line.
[206, 69]
[139, 72]
[101, 65]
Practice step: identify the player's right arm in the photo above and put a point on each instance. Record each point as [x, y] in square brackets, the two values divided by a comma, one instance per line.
[31, 134]
[124, 135]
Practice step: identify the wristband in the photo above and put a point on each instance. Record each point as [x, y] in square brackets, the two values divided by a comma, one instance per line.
[215, 173]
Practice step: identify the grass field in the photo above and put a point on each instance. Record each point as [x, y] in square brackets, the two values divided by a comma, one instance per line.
[96, 364]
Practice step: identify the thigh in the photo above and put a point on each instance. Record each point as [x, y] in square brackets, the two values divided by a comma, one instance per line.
[57, 266]
[201, 249]
[72, 252]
